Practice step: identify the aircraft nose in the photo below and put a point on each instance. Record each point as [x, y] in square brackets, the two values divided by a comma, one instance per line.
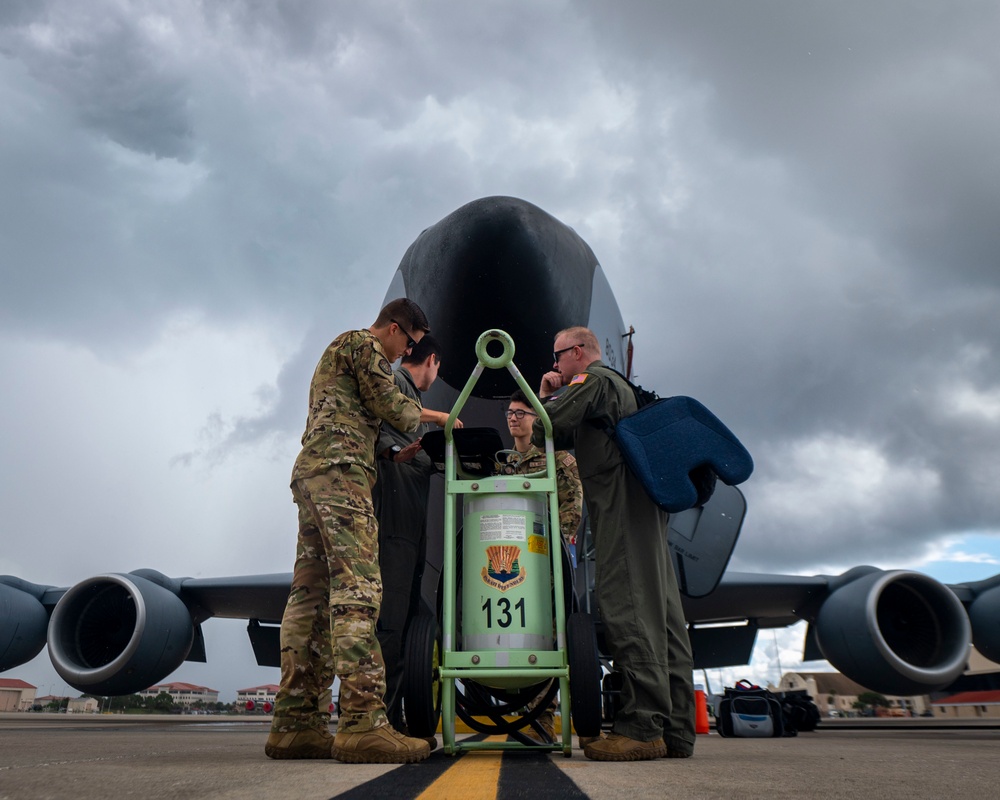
[499, 262]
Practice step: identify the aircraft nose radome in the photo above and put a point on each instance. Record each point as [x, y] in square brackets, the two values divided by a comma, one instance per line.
[499, 262]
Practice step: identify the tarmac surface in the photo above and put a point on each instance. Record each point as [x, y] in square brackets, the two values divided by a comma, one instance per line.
[110, 756]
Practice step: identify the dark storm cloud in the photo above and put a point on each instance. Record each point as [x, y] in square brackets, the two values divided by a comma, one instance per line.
[792, 201]
[880, 111]
[107, 72]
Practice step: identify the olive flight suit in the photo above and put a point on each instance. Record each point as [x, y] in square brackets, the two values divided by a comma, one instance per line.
[637, 592]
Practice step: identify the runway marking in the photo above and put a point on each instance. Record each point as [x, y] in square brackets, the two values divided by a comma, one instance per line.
[475, 776]
[472, 776]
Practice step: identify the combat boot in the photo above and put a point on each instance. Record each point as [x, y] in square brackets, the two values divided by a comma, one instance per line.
[620, 748]
[547, 721]
[583, 741]
[383, 745]
[302, 743]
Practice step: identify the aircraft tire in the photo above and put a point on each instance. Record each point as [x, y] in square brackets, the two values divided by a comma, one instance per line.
[584, 674]
[421, 678]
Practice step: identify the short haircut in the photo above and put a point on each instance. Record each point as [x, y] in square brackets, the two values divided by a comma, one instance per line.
[585, 338]
[517, 396]
[403, 311]
[427, 346]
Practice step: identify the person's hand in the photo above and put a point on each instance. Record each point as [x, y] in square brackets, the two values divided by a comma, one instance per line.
[551, 382]
[408, 453]
[442, 420]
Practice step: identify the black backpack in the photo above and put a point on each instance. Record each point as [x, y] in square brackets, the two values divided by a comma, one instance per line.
[748, 711]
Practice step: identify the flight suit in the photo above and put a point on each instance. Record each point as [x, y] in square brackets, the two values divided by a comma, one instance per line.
[637, 591]
[400, 498]
[328, 627]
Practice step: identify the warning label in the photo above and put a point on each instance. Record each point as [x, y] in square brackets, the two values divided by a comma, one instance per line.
[503, 528]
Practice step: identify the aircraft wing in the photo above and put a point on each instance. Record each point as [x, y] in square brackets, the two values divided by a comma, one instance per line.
[898, 632]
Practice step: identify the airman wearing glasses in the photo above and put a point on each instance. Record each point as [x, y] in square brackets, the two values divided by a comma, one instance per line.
[328, 627]
[637, 590]
[529, 458]
[520, 417]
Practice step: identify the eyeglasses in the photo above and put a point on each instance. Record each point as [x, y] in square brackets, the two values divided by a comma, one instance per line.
[557, 353]
[410, 342]
[519, 413]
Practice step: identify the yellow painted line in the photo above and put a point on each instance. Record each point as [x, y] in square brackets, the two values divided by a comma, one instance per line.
[474, 776]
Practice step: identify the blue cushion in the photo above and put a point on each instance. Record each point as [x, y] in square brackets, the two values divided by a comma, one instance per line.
[668, 439]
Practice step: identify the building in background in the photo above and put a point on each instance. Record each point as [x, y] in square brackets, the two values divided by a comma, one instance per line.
[183, 694]
[256, 698]
[836, 695]
[16, 695]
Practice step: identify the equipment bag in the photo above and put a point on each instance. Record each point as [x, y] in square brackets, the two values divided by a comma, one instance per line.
[677, 447]
[747, 711]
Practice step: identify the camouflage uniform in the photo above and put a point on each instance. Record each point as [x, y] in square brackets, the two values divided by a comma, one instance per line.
[637, 591]
[328, 626]
[568, 486]
[570, 493]
[400, 499]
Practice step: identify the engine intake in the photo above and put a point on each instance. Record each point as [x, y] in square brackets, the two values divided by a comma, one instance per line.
[118, 634]
[898, 632]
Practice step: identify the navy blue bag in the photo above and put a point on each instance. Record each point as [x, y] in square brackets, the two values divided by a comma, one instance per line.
[676, 447]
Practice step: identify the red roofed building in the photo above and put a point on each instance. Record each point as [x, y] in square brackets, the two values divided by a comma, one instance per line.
[183, 694]
[257, 698]
[16, 695]
[969, 705]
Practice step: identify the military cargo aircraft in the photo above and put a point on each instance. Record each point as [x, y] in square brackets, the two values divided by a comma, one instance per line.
[898, 632]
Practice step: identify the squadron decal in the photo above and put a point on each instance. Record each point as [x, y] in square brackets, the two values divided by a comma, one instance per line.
[503, 571]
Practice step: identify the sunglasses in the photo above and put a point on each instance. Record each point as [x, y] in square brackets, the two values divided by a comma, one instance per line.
[557, 353]
[410, 343]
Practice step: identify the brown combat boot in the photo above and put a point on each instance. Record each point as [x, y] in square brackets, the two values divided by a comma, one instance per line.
[548, 722]
[383, 745]
[583, 741]
[620, 748]
[305, 743]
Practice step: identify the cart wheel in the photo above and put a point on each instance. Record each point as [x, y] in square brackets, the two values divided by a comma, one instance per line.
[584, 674]
[421, 678]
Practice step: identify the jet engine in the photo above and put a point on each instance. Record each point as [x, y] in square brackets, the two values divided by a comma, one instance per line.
[23, 621]
[984, 614]
[118, 634]
[898, 632]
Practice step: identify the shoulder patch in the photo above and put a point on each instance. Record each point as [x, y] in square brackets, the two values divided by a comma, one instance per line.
[580, 377]
[385, 366]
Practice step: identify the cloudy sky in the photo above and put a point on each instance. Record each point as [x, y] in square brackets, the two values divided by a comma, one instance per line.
[795, 202]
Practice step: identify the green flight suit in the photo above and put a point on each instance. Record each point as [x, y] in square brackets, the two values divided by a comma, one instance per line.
[400, 498]
[637, 592]
[328, 627]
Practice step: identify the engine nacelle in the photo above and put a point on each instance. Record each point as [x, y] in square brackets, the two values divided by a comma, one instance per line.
[984, 614]
[23, 622]
[118, 634]
[897, 633]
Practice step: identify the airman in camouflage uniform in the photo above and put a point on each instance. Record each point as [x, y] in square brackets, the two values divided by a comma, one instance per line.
[328, 627]
[530, 458]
